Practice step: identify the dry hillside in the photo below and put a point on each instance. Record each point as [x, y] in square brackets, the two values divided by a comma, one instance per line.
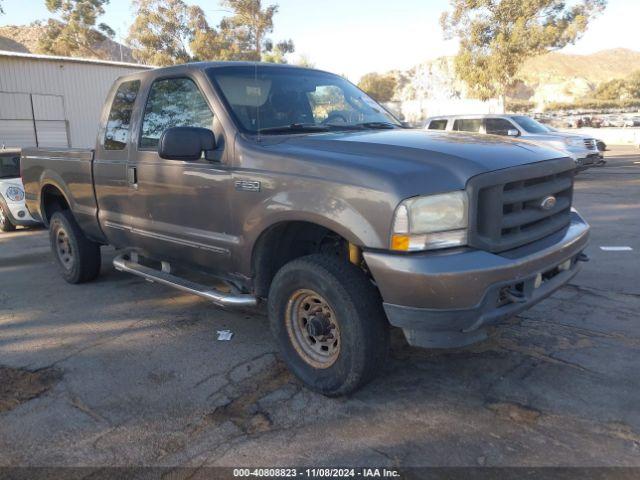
[595, 68]
[24, 38]
[552, 77]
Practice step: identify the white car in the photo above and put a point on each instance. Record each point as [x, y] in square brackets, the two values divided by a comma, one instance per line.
[582, 149]
[13, 211]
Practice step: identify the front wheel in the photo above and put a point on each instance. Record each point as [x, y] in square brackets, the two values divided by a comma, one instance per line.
[5, 223]
[78, 258]
[329, 323]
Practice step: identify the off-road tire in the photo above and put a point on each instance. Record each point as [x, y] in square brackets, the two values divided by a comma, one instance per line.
[363, 327]
[5, 223]
[85, 258]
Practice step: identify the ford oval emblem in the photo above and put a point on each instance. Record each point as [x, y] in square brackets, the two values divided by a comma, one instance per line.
[548, 203]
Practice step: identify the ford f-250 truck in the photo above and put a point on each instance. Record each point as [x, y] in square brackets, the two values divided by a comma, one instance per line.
[293, 186]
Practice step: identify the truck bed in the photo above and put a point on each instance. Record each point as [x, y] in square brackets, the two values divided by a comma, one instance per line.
[62, 172]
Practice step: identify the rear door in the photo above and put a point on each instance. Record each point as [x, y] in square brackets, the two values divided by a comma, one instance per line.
[438, 124]
[473, 125]
[180, 208]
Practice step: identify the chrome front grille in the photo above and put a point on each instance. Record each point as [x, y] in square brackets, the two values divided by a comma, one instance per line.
[508, 210]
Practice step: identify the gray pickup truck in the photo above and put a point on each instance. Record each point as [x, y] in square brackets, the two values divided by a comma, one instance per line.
[291, 186]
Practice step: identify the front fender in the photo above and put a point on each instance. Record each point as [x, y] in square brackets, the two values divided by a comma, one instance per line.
[349, 220]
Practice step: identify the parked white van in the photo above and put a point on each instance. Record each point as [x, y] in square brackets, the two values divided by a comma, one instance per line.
[582, 149]
[13, 211]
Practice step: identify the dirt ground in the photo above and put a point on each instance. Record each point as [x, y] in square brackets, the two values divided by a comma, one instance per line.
[121, 372]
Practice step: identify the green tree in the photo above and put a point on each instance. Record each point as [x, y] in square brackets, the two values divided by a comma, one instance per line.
[380, 87]
[160, 32]
[170, 32]
[251, 23]
[1, 10]
[633, 84]
[497, 36]
[207, 43]
[305, 61]
[75, 34]
[615, 89]
[276, 53]
[619, 89]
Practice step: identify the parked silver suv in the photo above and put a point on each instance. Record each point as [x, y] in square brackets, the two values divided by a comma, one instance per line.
[583, 150]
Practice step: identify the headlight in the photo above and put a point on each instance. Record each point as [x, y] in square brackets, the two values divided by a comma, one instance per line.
[15, 194]
[431, 222]
[574, 142]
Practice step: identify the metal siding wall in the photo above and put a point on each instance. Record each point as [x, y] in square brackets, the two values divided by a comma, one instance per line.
[52, 133]
[83, 87]
[48, 107]
[14, 106]
[17, 133]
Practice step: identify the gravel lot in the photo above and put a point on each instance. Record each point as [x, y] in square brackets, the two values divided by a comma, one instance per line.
[121, 372]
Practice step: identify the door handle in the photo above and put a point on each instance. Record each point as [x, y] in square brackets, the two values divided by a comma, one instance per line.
[132, 177]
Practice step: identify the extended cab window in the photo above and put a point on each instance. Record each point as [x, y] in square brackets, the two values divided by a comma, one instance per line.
[467, 125]
[438, 125]
[119, 121]
[498, 126]
[173, 102]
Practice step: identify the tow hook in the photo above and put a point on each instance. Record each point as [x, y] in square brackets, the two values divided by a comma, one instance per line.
[514, 296]
[582, 257]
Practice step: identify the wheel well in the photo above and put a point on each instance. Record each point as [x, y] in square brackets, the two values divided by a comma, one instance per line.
[287, 241]
[52, 201]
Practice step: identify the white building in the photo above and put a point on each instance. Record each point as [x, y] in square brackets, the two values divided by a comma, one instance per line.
[52, 101]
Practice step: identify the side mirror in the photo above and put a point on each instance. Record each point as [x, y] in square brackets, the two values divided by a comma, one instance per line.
[185, 143]
[512, 132]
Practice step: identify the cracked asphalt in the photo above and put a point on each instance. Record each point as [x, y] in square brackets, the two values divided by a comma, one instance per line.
[121, 372]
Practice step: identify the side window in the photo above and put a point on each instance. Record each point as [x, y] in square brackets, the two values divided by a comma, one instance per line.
[438, 125]
[173, 102]
[467, 125]
[119, 121]
[498, 126]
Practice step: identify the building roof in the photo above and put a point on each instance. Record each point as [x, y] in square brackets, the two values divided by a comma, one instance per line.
[55, 58]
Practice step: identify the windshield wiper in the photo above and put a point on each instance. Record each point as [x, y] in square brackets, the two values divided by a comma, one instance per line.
[296, 128]
[377, 125]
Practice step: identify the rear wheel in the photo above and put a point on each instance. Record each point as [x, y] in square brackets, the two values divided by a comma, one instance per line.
[328, 320]
[78, 258]
[5, 223]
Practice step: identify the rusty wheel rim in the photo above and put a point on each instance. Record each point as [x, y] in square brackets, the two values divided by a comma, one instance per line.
[64, 250]
[313, 328]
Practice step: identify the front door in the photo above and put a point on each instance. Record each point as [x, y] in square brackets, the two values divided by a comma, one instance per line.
[110, 164]
[180, 207]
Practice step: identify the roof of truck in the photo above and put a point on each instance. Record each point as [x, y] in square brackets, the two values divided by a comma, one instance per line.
[178, 69]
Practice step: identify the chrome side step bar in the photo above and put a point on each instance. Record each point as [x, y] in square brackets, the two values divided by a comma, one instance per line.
[122, 264]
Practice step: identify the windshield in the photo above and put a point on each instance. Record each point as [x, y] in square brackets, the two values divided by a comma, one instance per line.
[530, 125]
[284, 100]
[10, 166]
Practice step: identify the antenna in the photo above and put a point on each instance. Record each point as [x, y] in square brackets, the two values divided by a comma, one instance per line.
[255, 79]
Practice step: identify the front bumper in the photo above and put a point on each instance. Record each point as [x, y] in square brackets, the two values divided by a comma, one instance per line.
[18, 213]
[444, 299]
[589, 160]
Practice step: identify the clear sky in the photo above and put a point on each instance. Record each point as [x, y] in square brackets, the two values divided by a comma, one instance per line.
[354, 37]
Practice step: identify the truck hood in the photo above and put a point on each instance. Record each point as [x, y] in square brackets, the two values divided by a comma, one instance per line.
[413, 161]
[551, 136]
